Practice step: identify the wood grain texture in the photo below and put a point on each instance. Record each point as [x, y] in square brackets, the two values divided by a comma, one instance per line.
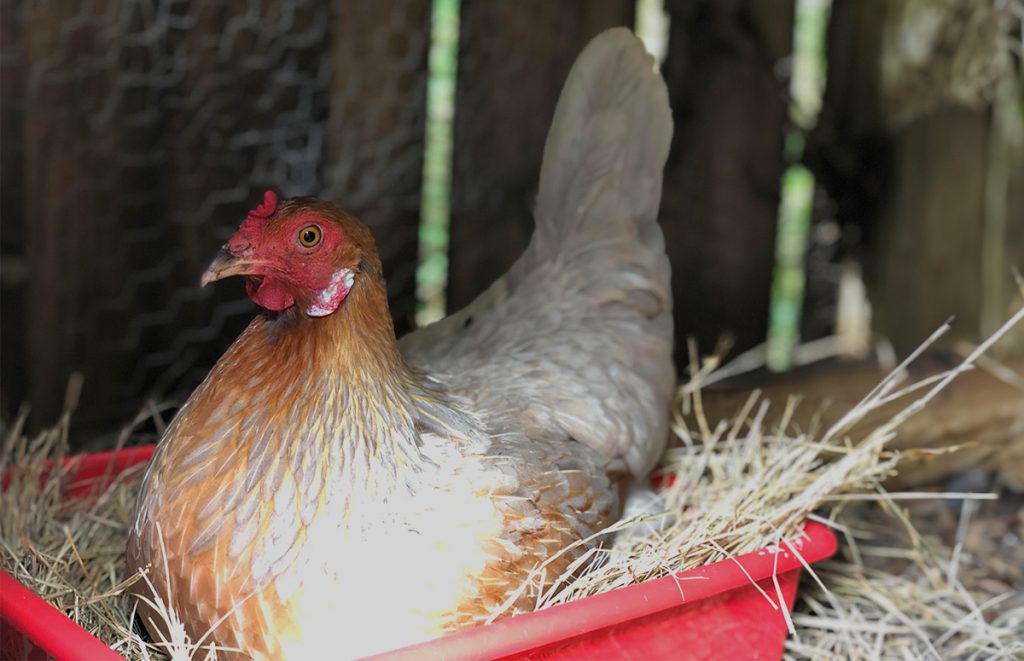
[918, 167]
[13, 226]
[722, 181]
[926, 264]
[375, 131]
[58, 204]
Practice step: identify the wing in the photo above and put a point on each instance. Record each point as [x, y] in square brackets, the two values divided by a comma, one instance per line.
[575, 342]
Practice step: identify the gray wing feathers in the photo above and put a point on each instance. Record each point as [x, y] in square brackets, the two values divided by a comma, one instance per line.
[576, 340]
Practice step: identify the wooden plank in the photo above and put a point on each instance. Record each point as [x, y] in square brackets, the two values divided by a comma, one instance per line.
[721, 194]
[376, 131]
[13, 264]
[926, 262]
[513, 60]
[979, 411]
[912, 146]
[60, 204]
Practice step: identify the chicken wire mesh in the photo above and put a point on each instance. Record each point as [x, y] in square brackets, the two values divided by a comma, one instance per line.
[137, 134]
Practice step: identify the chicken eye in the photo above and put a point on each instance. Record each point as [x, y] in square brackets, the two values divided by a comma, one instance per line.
[310, 236]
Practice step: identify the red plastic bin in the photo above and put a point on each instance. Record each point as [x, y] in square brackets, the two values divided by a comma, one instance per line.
[711, 612]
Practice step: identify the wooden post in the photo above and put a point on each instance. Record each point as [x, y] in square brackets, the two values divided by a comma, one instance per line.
[13, 238]
[65, 155]
[920, 144]
[376, 131]
[721, 195]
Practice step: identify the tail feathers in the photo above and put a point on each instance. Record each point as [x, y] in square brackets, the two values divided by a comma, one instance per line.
[577, 338]
[605, 151]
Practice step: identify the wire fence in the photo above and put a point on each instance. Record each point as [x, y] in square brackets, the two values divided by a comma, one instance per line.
[137, 133]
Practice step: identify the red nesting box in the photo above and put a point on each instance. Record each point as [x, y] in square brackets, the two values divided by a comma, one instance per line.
[710, 612]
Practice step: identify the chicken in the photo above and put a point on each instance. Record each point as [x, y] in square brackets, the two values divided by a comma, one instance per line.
[328, 489]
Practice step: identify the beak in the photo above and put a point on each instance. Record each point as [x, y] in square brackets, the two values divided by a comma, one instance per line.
[226, 264]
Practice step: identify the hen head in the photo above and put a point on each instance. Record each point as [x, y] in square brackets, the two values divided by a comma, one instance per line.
[297, 252]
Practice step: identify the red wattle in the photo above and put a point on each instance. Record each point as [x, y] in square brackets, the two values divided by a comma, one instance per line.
[269, 294]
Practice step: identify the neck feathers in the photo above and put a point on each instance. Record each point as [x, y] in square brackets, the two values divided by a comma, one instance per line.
[349, 365]
[294, 391]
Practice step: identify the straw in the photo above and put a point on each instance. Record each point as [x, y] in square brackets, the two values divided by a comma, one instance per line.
[735, 487]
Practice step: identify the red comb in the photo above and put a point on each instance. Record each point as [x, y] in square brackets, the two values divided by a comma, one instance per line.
[267, 208]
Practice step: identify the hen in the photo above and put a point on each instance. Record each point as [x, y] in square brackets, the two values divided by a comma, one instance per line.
[327, 488]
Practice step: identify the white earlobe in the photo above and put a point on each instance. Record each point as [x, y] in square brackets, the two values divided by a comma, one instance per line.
[330, 297]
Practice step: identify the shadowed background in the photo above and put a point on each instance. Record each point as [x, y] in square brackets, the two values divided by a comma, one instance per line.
[884, 136]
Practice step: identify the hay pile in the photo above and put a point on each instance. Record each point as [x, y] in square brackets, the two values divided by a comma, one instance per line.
[737, 487]
[70, 552]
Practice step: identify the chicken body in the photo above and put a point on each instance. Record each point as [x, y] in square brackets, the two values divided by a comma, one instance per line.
[328, 490]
